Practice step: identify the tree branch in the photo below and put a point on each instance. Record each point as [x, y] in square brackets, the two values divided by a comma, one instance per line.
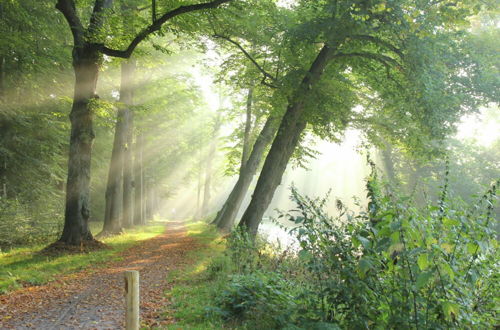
[247, 55]
[385, 60]
[380, 42]
[156, 26]
[68, 9]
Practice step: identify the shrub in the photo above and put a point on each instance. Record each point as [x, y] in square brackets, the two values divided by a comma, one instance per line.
[256, 296]
[391, 266]
[397, 266]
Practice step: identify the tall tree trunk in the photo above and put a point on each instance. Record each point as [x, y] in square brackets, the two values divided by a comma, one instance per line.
[208, 169]
[138, 182]
[2, 78]
[145, 196]
[283, 145]
[198, 212]
[77, 211]
[126, 97]
[113, 209]
[150, 201]
[4, 179]
[208, 182]
[248, 128]
[388, 163]
[227, 214]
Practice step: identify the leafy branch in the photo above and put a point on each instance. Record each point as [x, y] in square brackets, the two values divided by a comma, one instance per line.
[254, 62]
[157, 25]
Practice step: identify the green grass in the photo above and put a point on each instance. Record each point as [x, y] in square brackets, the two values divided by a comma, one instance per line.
[23, 266]
[193, 285]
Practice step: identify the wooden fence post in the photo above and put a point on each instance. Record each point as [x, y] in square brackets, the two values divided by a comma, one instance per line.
[132, 299]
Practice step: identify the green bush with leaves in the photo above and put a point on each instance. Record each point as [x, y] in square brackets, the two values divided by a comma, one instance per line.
[398, 266]
[393, 265]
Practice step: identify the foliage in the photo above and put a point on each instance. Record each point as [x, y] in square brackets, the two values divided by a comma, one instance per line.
[393, 265]
[399, 266]
[258, 296]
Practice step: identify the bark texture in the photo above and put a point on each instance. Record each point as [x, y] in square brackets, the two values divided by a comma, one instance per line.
[248, 128]
[287, 138]
[226, 216]
[113, 209]
[86, 61]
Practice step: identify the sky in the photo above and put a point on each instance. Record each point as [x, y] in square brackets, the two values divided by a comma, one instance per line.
[483, 128]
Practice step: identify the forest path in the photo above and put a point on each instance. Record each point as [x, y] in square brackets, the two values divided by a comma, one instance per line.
[94, 298]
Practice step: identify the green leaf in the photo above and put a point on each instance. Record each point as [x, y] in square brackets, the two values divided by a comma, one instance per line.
[423, 261]
[423, 278]
[450, 310]
[364, 241]
[304, 254]
[364, 266]
[450, 222]
[472, 248]
[447, 247]
[448, 270]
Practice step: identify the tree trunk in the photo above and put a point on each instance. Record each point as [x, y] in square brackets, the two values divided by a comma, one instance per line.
[4, 179]
[208, 169]
[208, 181]
[138, 182]
[150, 202]
[126, 97]
[388, 164]
[77, 211]
[248, 128]
[2, 77]
[113, 209]
[283, 145]
[198, 212]
[227, 215]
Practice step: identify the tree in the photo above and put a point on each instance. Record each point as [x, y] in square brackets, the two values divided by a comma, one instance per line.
[88, 48]
[395, 49]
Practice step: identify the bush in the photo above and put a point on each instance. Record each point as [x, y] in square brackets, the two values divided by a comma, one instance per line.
[397, 266]
[26, 225]
[393, 265]
[257, 296]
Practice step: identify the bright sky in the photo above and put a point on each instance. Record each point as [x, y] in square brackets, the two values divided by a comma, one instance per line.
[483, 127]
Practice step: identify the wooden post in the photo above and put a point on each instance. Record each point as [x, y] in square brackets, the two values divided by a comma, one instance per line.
[132, 299]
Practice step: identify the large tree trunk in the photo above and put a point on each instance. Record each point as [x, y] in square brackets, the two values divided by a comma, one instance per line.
[227, 214]
[283, 145]
[126, 97]
[77, 211]
[138, 182]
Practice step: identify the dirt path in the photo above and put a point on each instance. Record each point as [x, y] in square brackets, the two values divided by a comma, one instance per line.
[94, 300]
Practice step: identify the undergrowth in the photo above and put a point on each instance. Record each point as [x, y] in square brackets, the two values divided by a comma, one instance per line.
[393, 265]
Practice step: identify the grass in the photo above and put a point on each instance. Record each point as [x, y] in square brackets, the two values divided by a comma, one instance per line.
[193, 286]
[24, 266]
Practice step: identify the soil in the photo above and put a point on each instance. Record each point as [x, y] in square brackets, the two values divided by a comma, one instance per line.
[94, 298]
